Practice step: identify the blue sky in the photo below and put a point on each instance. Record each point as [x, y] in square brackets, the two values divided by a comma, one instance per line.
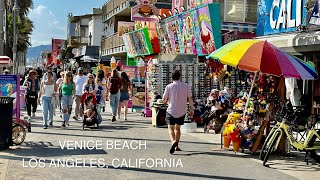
[50, 17]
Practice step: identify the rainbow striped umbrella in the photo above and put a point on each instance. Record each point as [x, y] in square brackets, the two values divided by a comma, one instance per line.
[256, 55]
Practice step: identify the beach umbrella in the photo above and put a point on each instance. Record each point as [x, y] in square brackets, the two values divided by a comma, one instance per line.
[257, 55]
[261, 56]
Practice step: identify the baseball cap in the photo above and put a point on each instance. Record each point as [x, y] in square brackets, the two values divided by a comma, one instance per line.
[80, 69]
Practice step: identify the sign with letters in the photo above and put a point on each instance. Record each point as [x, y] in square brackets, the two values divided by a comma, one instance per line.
[280, 16]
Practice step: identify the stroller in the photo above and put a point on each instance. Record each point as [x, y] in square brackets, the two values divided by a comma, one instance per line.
[95, 119]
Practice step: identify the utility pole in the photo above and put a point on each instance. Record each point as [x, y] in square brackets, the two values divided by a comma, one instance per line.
[15, 37]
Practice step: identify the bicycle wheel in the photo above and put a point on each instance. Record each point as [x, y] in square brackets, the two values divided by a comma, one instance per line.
[18, 134]
[263, 149]
[270, 146]
[314, 154]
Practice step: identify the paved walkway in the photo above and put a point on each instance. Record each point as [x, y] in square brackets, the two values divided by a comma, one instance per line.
[201, 158]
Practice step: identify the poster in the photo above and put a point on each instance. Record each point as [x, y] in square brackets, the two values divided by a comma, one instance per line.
[130, 70]
[137, 43]
[125, 27]
[10, 87]
[206, 35]
[145, 10]
[138, 93]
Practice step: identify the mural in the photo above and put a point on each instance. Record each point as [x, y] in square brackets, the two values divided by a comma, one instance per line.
[145, 11]
[137, 43]
[206, 32]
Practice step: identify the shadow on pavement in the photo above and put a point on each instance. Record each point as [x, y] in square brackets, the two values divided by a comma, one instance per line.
[142, 170]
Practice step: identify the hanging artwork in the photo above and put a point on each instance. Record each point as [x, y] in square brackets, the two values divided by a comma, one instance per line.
[176, 4]
[206, 32]
[145, 10]
[137, 43]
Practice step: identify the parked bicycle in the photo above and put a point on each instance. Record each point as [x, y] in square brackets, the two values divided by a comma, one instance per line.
[311, 146]
[19, 128]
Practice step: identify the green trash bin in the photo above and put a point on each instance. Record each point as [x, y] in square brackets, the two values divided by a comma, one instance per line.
[6, 107]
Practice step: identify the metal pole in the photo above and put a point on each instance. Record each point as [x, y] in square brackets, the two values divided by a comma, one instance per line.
[2, 14]
[15, 38]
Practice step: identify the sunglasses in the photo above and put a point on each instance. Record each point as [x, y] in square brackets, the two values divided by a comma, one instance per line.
[69, 75]
[90, 77]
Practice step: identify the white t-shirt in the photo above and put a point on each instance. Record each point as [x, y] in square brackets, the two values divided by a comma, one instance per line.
[79, 82]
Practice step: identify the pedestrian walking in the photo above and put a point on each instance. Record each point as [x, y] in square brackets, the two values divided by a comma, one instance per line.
[33, 85]
[46, 95]
[176, 95]
[79, 81]
[58, 82]
[114, 86]
[124, 95]
[90, 86]
[68, 91]
[99, 95]
[45, 76]
[104, 79]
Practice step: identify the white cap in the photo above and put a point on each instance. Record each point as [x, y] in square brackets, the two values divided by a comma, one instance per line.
[113, 60]
[141, 63]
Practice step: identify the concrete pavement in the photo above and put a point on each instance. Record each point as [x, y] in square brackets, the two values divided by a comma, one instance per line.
[43, 156]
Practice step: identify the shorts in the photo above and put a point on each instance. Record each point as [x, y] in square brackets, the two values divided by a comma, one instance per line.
[124, 96]
[174, 121]
[66, 102]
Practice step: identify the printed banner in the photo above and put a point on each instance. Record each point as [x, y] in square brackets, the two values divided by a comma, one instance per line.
[130, 70]
[125, 27]
[193, 32]
[138, 93]
[137, 43]
[56, 47]
[145, 11]
[315, 16]
[10, 87]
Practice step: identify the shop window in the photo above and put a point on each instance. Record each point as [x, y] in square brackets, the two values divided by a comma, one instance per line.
[251, 11]
[234, 10]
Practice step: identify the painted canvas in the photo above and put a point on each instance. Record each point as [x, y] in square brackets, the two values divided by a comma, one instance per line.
[145, 10]
[207, 40]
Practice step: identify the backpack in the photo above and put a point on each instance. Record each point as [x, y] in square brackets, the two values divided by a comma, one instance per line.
[114, 85]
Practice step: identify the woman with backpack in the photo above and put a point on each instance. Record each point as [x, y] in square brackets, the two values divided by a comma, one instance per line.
[114, 86]
[124, 94]
[90, 86]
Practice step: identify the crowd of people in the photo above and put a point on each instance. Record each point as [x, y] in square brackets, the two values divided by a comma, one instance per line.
[63, 89]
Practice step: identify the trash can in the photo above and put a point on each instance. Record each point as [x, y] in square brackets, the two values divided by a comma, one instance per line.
[6, 107]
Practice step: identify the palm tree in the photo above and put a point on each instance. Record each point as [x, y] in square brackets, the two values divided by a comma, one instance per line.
[24, 26]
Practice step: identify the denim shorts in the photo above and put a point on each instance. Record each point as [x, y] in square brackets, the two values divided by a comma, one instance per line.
[124, 97]
[66, 102]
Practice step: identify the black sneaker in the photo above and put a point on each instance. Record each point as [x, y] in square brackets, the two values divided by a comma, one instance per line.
[50, 124]
[103, 109]
[45, 127]
[63, 124]
[114, 119]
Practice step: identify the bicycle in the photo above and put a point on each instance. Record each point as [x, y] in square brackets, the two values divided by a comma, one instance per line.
[19, 128]
[310, 145]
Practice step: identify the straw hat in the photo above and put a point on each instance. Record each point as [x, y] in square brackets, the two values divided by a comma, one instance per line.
[32, 71]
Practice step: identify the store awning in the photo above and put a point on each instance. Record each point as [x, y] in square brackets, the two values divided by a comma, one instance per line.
[5, 60]
[295, 43]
